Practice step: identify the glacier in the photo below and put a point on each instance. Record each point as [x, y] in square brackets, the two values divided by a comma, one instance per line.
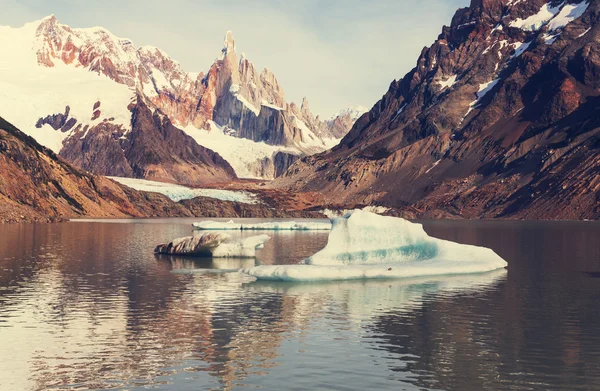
[216, 245]
[179, 192]
[364, 245]
[268, 226]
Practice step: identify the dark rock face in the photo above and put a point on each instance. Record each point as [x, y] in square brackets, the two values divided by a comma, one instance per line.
[210, 207]
[282, 161]
[498, 119]
[58, 121]
[153, 149]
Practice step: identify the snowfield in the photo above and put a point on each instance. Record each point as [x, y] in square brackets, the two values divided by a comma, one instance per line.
[245, 156]
[363, 245]
[179, 192]
[29, 91]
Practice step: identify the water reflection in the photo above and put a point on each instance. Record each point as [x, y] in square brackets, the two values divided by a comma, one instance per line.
[89, 306]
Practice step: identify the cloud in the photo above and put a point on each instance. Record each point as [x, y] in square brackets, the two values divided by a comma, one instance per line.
[337, 53]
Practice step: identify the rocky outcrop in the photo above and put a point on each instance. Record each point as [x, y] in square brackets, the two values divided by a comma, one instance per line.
[210, 207]
[253, 106]
[215, 245]
[199, 245]
[497, 120]
[282, 161]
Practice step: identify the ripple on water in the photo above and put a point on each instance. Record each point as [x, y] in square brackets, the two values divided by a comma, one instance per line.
[88, 305]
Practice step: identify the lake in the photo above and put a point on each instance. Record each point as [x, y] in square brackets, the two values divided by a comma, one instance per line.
[87, 305]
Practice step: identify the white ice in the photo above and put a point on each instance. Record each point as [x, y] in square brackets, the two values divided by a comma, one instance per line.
[243, 248]
[331, 213]
[179, 192]
[268, 226]
[365, 245]
[213, 245]
[245, 156]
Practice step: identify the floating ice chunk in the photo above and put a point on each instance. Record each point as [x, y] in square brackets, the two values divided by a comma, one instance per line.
[214, 245]
[268, 226]
[243, 248]
[331, 213]
[217, 225]
[365, 245]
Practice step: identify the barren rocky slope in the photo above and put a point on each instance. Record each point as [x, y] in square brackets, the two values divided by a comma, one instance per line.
[499, 119]
[37, 185]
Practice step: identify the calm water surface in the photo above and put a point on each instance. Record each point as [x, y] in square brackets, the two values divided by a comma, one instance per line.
[87, 305]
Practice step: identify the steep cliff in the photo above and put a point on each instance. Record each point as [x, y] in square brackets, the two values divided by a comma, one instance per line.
[499, 118]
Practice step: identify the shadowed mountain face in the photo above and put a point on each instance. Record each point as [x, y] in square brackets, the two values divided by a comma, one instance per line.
[35, 184]
[154, 148]
[499, 119]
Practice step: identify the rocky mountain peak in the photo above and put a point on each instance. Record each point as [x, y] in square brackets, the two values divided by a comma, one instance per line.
[232, 99]
[304, 106]
[474, 128]
[228, 43]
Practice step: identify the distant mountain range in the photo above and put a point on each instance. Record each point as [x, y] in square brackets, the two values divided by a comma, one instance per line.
[500, 118]
[113, 109]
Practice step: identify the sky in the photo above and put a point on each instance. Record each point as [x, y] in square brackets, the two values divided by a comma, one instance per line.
[337, 53]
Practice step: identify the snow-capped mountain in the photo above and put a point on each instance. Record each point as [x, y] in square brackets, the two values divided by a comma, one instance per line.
[115, 109]
[499, 118]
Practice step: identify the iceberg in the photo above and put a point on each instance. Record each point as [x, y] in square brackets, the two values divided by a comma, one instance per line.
[216, 245]
[364, 245]
[268, 226]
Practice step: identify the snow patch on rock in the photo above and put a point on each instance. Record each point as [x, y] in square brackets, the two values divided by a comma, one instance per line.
[448, 83]
[567, 14]
[536, 21]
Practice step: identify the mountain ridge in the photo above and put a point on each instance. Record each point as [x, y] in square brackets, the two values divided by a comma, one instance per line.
[232, 102]
[497, 120]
